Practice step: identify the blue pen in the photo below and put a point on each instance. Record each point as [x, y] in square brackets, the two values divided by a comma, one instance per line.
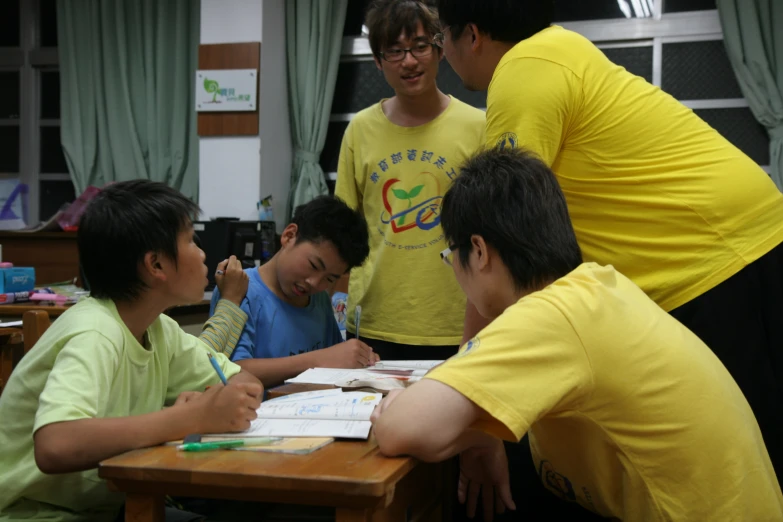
[216, 366]
[357, 318]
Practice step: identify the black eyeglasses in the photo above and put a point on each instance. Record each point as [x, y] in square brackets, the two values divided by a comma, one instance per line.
[420, 50]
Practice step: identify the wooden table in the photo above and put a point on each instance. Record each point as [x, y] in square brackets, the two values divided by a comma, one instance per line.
[351, 476]
[18, 310]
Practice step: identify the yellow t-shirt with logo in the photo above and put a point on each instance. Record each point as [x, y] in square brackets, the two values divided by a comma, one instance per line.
[397, 177]
[629, 413]
[651, 188]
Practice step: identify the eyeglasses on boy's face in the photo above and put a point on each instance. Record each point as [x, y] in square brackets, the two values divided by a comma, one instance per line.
[448, 255]
[420, 50]
[439, 39]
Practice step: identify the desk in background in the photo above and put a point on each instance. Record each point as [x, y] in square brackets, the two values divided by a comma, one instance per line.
[54, 255]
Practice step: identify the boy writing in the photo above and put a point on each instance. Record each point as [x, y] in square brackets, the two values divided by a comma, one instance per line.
[396, 161]
[291, 325]
[630, 415]
[96, 382]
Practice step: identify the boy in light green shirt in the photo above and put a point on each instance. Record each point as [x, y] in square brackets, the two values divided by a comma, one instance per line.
[97, 381]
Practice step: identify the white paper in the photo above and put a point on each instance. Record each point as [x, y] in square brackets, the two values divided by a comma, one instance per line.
[326, 413]
[341, 406]
[306, 428]
[405, 365]
[327, 376]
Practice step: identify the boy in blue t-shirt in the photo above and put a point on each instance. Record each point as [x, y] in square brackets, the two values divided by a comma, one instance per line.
[291, 325]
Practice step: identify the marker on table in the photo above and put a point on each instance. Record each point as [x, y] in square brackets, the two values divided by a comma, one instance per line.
[216, 366]
[357, 318]
[226, 444]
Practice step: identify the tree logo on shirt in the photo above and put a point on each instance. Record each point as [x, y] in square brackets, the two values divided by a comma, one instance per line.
[555, 482]
[405, 208]
[507, 140]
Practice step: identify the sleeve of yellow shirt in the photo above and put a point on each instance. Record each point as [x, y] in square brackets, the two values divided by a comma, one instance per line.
[530, 104]
[527, 363]
[346, 188]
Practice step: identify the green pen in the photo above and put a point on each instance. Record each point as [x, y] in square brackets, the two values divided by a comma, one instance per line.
[226, 444]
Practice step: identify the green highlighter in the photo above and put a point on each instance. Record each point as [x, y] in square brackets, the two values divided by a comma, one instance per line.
[226, 444]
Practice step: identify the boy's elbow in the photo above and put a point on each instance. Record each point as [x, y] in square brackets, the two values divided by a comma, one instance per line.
[396, 439]
[50, 457]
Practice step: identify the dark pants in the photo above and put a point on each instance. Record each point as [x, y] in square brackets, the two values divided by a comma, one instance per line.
[741, 320]
[406, 352]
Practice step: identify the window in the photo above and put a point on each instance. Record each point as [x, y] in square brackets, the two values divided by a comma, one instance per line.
[30, 148]
[675, 44]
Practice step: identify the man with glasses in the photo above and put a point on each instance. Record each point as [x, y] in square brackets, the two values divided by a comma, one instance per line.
[397, 159]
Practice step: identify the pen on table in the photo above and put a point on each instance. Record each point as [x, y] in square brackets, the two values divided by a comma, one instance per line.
[357, 317]
[216, 366]
[226, 444]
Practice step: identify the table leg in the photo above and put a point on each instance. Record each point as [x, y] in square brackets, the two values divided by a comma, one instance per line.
[140, 507]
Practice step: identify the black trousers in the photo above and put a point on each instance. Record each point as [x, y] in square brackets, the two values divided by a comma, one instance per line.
[741, 320]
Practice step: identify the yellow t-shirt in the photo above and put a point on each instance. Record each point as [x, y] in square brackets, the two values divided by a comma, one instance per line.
[629, 413]
[88, 365]
[651, 188]
[397, 176]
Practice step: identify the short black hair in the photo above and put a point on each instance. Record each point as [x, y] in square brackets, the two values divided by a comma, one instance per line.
[386, 20]
[329, 218]
[120, 225]
[512, 199]
[509, 21]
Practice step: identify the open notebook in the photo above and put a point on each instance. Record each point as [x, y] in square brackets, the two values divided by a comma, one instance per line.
[327, 413]
[384, 376]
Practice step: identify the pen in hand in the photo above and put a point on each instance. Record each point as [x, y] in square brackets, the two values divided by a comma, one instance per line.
[357, 317]
[216, 366]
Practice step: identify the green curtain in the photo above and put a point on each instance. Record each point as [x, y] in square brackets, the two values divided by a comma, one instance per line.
[314, 33]
[127, 91]
[753, 34]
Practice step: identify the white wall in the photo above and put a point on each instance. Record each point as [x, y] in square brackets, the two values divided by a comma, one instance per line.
[234, 172]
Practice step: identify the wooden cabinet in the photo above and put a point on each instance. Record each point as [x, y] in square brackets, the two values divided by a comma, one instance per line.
[54, 255]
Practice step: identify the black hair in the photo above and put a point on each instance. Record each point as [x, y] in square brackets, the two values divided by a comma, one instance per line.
[329, 218]
[511, 199]
[508, 21]
[124, 222]
[386, 20]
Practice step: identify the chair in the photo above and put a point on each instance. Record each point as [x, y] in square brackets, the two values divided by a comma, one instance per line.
[34, 324]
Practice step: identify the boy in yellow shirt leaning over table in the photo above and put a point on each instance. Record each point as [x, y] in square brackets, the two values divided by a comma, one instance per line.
[630, 415]
[97, 381]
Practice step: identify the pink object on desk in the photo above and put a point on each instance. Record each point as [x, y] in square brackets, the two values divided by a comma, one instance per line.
[48, 297]
[6, 264]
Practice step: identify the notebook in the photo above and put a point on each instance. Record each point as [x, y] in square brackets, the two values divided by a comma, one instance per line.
[327, 413]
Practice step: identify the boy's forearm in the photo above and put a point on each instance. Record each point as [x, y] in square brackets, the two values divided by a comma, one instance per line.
[272, 372]
[244, 376]
[428, 447]
[221, 332]
[70, 446]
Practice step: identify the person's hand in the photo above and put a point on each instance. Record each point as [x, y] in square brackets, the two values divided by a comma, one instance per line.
[185, 397]
[376, 413]
[232, 283]
[485, 469]
[350, 354]
[223, 409]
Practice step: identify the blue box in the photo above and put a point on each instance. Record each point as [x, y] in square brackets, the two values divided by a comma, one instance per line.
[17, 279]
